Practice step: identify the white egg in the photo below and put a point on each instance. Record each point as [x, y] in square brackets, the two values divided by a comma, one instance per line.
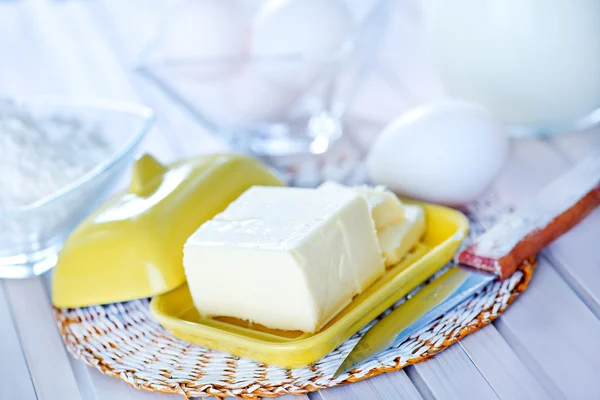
[447, 152]
[204, 39]
[243, 97]
[252, 98]
[252, 6]
[311, 29]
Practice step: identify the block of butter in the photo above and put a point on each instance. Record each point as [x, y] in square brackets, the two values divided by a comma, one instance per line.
[286, 258]
[386, 208]
[397, 240]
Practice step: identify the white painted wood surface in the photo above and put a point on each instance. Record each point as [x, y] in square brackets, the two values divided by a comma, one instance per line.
[501, 367]
[390, 386]
[451, 375]
[16, 379]
[41, 344]
[545, 346]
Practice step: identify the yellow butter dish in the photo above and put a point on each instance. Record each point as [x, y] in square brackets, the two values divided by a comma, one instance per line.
[131, 247]
[175, 310]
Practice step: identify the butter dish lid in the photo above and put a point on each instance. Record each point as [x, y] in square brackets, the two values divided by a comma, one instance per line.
[131, 247]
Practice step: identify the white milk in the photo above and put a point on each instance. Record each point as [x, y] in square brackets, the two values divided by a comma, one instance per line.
[530, 61]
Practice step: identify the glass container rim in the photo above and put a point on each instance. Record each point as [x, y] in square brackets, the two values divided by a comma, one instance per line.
[140, 111]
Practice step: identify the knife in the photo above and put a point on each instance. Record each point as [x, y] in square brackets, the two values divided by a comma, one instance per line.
[496, 254]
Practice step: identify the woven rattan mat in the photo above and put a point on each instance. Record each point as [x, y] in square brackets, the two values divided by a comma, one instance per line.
[124, 341]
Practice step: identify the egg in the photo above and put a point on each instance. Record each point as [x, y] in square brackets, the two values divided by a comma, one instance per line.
[204, 39]
[253, 99]
[251, 6]
[293, 39]
[447, 152]
[244, 97]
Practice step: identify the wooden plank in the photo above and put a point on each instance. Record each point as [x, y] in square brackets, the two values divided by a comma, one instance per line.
[555, 335]
[451, 375]
[13, 367]
[551, 329]
[84, 382]
[80, 370]
[501, 367]
[576, 256]
[41, 343]
[388, 386]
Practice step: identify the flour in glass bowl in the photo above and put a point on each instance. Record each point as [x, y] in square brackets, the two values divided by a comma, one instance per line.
[40, 156]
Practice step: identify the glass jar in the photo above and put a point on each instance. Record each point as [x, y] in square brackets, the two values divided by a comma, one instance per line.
[535, 63]
[274, 79]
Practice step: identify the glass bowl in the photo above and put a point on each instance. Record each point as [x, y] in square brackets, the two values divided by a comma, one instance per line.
[32, 235]
[292, 102]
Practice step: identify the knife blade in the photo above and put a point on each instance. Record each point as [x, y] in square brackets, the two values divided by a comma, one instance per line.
[494, 255]
[438, 297]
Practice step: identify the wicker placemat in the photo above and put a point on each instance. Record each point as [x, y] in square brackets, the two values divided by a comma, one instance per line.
[124, 341]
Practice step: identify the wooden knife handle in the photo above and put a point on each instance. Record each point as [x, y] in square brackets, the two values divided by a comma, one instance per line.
[533, 242]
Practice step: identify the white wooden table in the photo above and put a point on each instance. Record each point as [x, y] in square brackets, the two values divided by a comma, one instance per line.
[547, 345]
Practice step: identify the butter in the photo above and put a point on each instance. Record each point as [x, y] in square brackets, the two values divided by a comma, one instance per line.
[386, 208]
[399, 227]
[286, 258]
[397, 240]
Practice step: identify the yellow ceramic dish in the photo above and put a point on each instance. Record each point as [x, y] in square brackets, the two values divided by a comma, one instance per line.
[131, 247]
[175, 311]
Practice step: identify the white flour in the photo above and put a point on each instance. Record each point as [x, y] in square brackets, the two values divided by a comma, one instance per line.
[40, 156]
